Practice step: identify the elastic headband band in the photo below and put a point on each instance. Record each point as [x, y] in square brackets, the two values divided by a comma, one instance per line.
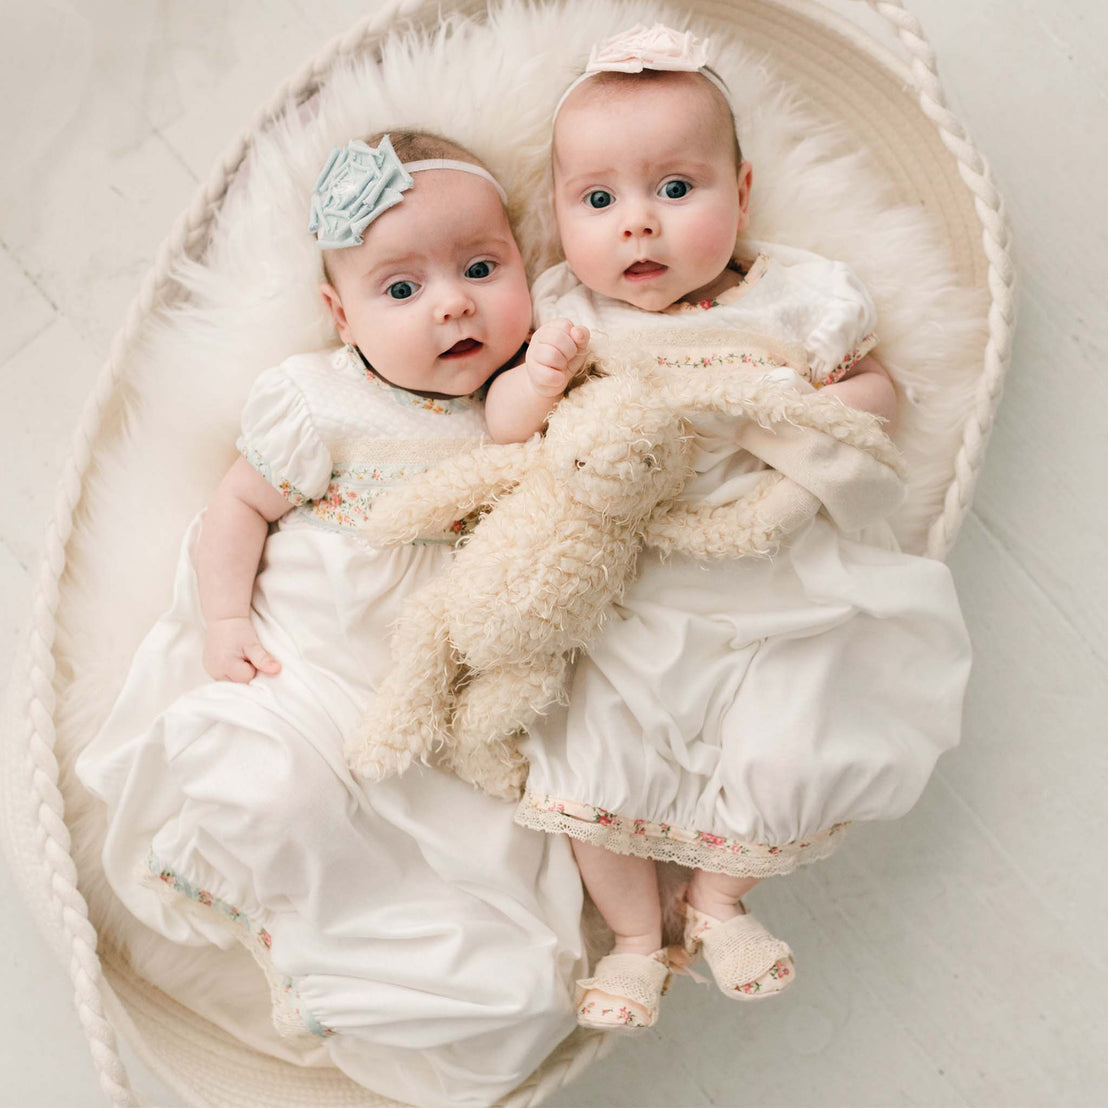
[462, 167]
[359, 182]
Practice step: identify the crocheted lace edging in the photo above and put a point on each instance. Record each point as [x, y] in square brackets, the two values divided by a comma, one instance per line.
[668, 843]
[291, 1017]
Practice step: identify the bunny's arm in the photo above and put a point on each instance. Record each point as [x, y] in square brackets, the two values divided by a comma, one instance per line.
[756, 524]
[774, 398]
[839, 454]
[431, 501]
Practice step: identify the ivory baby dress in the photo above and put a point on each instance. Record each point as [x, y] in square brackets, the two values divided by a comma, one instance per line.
[428, 942]
[734, 715]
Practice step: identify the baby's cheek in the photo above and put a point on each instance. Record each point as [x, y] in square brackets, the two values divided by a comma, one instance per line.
[712, 236]
[585, 250]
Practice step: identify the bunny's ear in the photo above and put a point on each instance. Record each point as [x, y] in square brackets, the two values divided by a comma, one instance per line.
[731, 390]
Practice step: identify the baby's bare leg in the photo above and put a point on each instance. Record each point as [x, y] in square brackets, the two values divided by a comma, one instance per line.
[718, 894]
[625, 890]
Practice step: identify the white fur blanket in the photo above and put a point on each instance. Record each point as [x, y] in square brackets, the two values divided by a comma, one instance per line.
[170, 433]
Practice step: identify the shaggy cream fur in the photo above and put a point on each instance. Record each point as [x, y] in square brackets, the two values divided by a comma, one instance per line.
[483, 650]
[251, 300]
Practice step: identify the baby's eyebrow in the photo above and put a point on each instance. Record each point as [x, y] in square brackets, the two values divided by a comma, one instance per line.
[591, 177]
[391, 261]
[477, 243]
[493, 241]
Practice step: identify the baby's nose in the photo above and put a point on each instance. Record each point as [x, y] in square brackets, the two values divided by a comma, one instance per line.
[640, 221]
[454, 304]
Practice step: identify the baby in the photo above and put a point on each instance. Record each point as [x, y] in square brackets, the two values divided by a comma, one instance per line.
[233, 797]
[734, 715]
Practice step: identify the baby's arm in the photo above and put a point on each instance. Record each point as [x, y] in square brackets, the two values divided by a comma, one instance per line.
[868, 387]
[235, 527]
[520, 399]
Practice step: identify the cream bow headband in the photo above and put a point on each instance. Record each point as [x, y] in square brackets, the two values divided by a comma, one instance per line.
[658, 47]
[359, 182]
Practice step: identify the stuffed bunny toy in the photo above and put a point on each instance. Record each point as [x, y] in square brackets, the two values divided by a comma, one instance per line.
[485, 647]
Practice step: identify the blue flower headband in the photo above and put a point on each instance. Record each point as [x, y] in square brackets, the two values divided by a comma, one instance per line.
[360, 182]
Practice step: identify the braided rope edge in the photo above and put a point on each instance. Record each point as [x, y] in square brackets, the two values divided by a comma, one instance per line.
[190, 233]
[996, 238]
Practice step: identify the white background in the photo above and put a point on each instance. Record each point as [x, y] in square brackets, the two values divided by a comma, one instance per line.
[954, 958]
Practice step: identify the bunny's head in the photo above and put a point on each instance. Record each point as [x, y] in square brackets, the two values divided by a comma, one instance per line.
[617, 447]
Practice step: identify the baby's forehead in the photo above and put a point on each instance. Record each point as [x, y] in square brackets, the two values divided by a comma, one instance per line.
[699, 103]
[438, 222]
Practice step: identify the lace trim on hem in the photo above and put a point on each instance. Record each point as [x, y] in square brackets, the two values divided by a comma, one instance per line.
[290, 1016]
[666, 843]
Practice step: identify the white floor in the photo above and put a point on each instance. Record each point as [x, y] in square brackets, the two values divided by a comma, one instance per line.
[956, 958]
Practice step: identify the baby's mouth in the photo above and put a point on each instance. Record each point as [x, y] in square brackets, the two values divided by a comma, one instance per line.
[463, 348]
[644, 270]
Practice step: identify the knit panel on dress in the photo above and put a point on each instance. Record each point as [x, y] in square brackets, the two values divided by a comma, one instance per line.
[348, 403]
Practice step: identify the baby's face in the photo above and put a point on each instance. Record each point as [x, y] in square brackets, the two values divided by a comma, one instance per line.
[436, 295]
[647, 195]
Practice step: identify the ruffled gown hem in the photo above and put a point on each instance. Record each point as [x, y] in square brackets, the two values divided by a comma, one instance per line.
[666, 842]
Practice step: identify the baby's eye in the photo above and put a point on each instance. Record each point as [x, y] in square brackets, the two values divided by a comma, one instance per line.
[599, 198]
[674, 190]
[480, 270]
[401, 290]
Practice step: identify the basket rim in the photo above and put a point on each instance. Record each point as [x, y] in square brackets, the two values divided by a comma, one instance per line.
[42, 805]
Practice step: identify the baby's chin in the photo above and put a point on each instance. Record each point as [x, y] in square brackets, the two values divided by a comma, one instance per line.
[645, 299]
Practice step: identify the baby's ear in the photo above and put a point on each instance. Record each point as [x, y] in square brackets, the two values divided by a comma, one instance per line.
[746, 179]
[338, 313]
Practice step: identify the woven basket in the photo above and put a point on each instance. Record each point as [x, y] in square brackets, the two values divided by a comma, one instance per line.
[894, 105]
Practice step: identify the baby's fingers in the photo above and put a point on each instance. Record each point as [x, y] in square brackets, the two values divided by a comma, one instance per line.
[546, 380]
[261, 659]
[238, 670]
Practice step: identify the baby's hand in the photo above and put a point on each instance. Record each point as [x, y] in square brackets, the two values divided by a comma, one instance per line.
[232, 652]
[556, 352]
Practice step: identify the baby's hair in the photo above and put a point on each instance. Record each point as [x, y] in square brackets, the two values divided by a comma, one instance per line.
[602, 83]
[415, 146]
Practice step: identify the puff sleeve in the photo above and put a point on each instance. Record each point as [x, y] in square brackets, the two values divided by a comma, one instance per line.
[280, 440]
[843, 326]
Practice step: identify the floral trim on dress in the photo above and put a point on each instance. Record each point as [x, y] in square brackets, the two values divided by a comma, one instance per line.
[348, 500]
[667, 842]
[254, 937]
[762, 361]
[346, 503]
[849, 362]
[290, 492]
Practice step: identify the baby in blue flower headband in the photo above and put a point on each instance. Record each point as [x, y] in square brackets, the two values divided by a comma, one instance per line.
[427, 289]
[435, 300]
[238, 792]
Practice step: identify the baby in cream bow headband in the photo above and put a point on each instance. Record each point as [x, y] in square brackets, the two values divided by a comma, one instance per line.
[737, 713]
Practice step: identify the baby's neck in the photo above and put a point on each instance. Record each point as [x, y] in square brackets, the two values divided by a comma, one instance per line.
[728, 279]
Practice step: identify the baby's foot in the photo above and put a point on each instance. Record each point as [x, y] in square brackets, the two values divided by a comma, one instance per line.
[623, 993]
[747, 962]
